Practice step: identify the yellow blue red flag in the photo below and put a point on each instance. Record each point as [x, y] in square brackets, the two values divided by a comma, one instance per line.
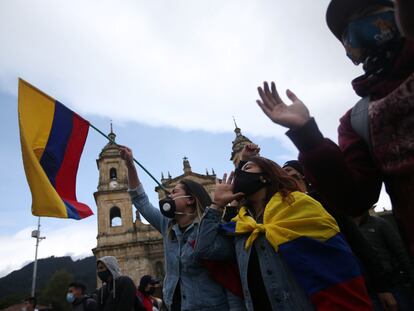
[52, 139]
[307, 237]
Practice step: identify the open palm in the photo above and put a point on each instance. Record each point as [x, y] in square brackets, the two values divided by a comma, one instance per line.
[291, 116]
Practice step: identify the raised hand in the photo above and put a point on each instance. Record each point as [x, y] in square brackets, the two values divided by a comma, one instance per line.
[126, 154]
[223, 194]
[291, 116]
[250, 150]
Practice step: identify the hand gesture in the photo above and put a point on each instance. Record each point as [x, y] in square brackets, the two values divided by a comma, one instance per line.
[291, 116]
[250, 150]
[126, 154]
[224, 191]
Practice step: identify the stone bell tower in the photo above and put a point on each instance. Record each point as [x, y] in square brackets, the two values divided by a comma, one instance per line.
[137, 246]
[237, 145]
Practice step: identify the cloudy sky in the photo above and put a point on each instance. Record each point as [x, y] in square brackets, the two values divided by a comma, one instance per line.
[170, 74]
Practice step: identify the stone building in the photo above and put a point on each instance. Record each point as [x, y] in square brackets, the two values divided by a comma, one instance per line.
[237, 145]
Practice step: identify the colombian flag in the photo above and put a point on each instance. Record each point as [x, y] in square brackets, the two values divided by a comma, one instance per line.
[52, 139]
[307, 237]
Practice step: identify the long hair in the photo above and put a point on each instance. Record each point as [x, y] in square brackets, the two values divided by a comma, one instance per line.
[277, 179]
[201, 201]
[200, 195]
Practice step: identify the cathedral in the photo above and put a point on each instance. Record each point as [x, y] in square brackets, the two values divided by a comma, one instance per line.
[137, 246]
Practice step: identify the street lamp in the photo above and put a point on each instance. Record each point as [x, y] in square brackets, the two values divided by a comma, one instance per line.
[36, 235]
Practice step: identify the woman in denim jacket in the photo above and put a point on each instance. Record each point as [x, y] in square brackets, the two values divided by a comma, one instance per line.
[290, 253]
[187, 284]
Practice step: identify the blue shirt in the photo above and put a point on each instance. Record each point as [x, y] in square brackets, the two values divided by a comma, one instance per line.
[198, 290]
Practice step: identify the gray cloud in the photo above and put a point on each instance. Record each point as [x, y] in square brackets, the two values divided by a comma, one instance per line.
[176, 63]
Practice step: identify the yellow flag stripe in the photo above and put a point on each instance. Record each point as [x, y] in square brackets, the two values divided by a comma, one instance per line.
[36, 112]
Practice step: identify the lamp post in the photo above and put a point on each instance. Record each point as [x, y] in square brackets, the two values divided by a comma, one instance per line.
[36, 235]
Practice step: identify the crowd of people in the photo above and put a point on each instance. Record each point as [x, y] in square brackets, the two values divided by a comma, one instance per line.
[297, 236]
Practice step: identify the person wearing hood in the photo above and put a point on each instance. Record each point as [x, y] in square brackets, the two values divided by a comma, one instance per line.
[188, 284]
[77, 297]
[375, 137]
[118, 292]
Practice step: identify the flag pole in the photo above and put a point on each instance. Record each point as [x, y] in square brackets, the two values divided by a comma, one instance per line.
[36, 234]
[139, 164]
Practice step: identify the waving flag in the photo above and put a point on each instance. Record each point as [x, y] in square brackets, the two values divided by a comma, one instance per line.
[52, 139]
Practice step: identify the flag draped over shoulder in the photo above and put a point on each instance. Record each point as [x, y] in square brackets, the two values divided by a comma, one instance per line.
[309, 240]
[52, 139]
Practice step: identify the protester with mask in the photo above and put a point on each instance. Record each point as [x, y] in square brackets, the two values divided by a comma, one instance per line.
[289, 250]
[118, 292]
[376, 136]
[188, 284]
[376, 280]
[145, 291]
[77, 297]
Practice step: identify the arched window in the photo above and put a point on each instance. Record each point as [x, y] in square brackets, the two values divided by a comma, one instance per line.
[159, 270]
[112, 173]
[115, 217]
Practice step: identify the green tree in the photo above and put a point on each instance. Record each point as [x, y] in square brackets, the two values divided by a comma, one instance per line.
[55, 291]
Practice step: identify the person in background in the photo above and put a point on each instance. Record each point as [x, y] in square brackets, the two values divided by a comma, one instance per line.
[390, 251]
[145, 290]
[78, 299]
[30, 304]
[118, 292]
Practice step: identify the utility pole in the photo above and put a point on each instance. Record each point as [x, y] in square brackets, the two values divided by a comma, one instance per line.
[36, 235]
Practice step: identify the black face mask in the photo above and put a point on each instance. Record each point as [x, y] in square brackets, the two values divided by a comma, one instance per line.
[247, 182]
[104, 275]
[168, 207]
[151, 291]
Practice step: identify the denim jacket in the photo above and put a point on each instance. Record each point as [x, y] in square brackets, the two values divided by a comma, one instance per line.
[198, 290]
[282, 289]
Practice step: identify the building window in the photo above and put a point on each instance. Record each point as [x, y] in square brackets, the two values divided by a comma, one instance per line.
[159, 270]
[112, 173]
[115, 217]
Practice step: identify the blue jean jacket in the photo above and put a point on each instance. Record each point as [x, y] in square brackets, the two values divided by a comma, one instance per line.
[198, 290]
[282, 289]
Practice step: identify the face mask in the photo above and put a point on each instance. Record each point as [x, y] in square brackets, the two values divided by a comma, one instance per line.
[373, 38]
[168, 207]
[247, 182]
[70, 298]
[104, 275]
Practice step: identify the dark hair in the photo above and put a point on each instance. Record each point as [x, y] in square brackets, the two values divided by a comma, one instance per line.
[78, 285]
[277, 179]
[32, 300]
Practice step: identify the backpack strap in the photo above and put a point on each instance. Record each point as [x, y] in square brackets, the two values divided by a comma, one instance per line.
[360, 120]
